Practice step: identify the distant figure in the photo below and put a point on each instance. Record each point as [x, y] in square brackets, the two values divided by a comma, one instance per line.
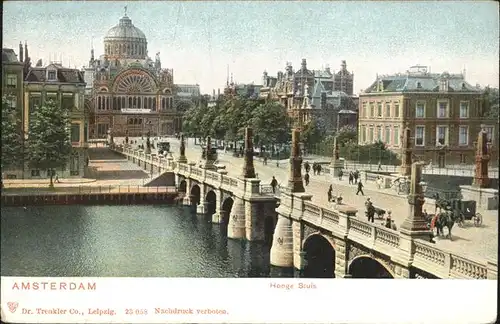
[356, 176]
[307, 167]
[274, 183]
[265, 159]
[379, 165]
[56, 179]
[306, 178]
[360, 188]
[330, 190]
[394, 227]
[341, 173]
[370, 210]
[319, 169]
[351, 178]
[379, 182]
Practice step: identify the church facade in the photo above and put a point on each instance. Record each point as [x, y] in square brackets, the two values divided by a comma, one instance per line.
[129, 93]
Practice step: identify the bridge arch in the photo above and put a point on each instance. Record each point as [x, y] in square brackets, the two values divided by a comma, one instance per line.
[225, 210]
[367, 267]
[319, 256]
[183, 186]
[211, 203]
[195, 194]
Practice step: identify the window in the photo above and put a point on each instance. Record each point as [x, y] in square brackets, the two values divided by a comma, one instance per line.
[86, 132]
[420, 109]
[68, 101]
[419, 135]
[372, 110]
[379, 110]
[463, 135]
[11, 80]
[363, 134]
[387, 110]
[419, 85]
[51, 75]
[35, 102]
[442, 109]
[489, 133]
[75, 133]
[12, 102]
[396, 110]
[51, 96]
[464, 109]
[379, 133]
[442, 135]
[363, 110]
[463, 158]
[396, 135]
[388, 134]
[35, 173]
[370, 135]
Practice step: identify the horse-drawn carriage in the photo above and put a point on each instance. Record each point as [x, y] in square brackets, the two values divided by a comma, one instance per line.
[453, 211]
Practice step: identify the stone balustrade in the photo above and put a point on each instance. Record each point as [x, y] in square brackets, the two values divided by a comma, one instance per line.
[426, 256]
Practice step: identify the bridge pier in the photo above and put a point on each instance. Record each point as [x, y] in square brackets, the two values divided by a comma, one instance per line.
[219, 214]
[282, 248]
[236, 227]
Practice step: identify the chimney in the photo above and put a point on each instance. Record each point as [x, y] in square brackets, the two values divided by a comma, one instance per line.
[26, 56]
[304, 64]
[20, 51]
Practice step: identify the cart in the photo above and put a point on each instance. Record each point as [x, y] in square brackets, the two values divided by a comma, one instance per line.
[468, 212]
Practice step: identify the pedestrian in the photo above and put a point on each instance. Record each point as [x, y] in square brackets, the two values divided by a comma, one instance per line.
[265, 160]
[341, 173]
[356, 176]
[306, 178]
[274, 183]
[307, 167]
[319, 169]
[370, 210]
[360, 188]
[379, 165]
[388, 221]
[394, 227]
[314, 168]
[56, 180]
[330, 190]
[351, 177]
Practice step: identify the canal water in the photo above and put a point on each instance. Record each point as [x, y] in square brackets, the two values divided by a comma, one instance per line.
[125, 241]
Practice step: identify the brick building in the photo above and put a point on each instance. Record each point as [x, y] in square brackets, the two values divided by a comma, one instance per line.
[443, 112]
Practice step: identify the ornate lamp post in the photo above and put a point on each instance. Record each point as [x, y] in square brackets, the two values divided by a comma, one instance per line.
[415, 224]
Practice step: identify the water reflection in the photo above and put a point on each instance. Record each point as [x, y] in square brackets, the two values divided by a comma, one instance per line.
[135, 241]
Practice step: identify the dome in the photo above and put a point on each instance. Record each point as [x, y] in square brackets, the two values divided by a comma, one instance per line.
[124, 29]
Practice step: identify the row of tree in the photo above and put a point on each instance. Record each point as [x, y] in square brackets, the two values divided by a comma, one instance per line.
[228, 119]
[47, 144]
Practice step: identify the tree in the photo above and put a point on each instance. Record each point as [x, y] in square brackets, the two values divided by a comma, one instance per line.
[270, 122]
[347, 134]
[314, 132]
[12, 138]
[48, 144]
[491, 102]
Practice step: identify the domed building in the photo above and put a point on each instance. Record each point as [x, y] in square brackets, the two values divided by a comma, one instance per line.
[130, 93]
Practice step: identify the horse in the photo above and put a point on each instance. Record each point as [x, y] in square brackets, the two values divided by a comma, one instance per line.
[440, 203]
[444, 219]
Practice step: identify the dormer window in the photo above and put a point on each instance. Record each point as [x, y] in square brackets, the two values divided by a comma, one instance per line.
[464, 87]
[419, 85]
[51, 75]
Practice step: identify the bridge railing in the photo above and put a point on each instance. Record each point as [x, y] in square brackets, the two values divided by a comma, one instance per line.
[27, 189]
[375, 236]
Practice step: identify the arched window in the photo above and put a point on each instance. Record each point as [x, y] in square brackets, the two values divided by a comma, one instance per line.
[163, 103]
[150, 103]
[115, 105]
[98, 103]
[154, 104]
[129, 102]
[171, 102]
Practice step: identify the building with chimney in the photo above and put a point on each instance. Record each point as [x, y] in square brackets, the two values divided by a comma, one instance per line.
[130, 93]
[66, 87]
[12, 79]
[442, 110]
[326, 94]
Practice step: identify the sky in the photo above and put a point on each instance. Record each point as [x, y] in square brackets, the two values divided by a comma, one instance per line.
[202, 40]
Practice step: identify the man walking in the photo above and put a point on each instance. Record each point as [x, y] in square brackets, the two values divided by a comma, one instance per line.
[274, 183]
[306, 178]
[360, 188]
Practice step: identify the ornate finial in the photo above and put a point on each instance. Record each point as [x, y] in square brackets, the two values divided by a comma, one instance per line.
[248, 168]
[125, 11]
[295, 177]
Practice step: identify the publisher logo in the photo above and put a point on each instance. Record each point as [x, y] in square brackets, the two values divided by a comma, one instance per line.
[12, 306]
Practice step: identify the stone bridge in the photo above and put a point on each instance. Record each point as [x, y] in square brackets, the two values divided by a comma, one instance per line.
[319, 242]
